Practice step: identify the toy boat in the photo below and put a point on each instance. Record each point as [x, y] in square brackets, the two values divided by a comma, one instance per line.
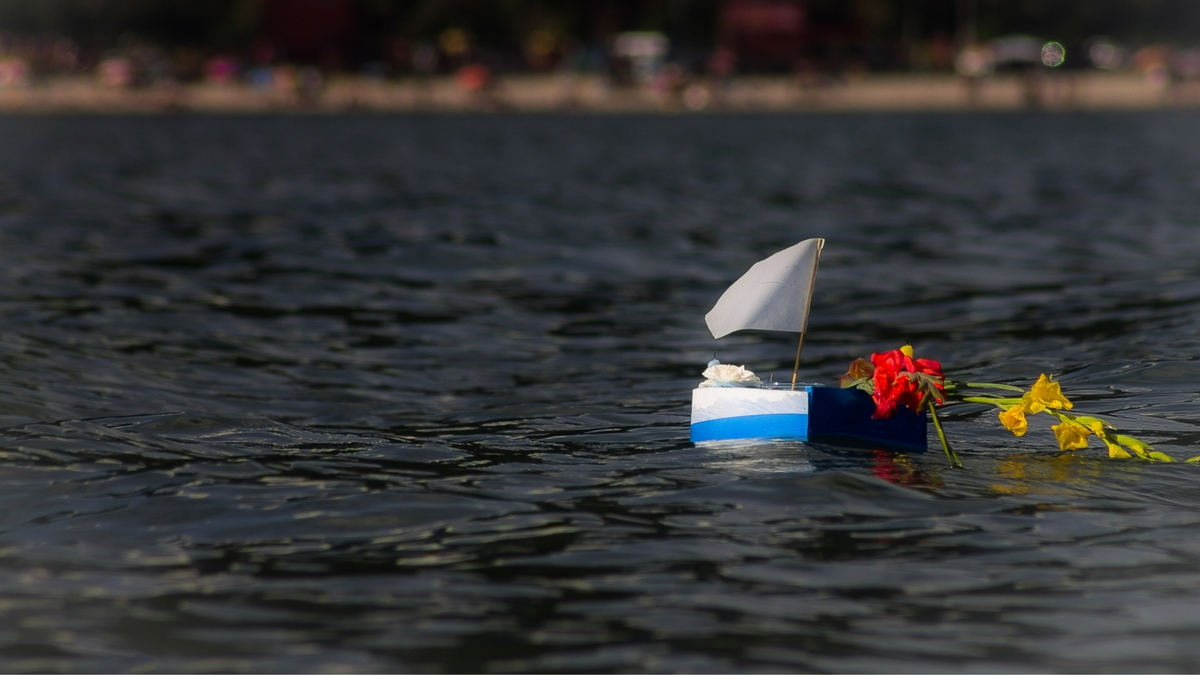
[733, 405]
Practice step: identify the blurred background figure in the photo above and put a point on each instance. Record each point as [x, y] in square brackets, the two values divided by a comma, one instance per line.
[1106, 55]
[720, 67]
[639, 56]
[221, 70]
[1154, 63]
[1185, 65]
[972, 64]
[476, 80]
[115, 71]
[14, 72]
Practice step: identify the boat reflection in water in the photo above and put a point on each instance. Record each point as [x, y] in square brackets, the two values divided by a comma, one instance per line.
[747, 458]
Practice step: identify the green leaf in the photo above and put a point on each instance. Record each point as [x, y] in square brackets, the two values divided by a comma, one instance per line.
[855, 383]
[991, 400]
[990, 385]
[1133, 443]
[1161, 457]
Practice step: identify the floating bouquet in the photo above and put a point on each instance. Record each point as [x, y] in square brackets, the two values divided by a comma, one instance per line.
[896, 379]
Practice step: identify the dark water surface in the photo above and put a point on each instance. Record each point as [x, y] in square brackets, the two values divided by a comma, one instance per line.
[354, 393]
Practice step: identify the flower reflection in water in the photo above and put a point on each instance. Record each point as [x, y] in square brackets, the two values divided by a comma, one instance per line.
[1058, 474]
[898, 468]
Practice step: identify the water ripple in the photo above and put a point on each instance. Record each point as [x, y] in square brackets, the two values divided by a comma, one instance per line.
[371, 393]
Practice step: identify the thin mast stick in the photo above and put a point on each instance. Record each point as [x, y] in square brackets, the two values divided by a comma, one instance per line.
[796, 369]
[812, 284]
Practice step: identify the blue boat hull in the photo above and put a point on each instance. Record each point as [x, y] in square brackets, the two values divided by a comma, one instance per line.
[809, 413]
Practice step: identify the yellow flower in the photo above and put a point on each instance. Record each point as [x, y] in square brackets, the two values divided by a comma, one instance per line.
[907, 350]
[1115, 451]
[1013, 419]
[1071, 436]
[1045, 394]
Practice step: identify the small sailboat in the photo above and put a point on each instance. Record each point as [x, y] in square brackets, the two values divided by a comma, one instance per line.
[734, 405]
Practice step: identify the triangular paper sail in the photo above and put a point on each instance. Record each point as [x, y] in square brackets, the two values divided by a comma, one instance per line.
[774, 295]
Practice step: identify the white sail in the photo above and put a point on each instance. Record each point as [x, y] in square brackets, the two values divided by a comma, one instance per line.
[774, 295]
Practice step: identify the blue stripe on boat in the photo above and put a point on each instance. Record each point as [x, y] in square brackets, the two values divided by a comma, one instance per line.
[751, 426]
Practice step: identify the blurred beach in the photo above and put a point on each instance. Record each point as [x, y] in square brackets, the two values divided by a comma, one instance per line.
[586, 93]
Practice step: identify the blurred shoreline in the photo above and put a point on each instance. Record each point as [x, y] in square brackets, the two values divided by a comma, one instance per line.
[1089, 90]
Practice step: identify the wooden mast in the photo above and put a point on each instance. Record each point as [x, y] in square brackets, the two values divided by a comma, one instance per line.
[812, 283]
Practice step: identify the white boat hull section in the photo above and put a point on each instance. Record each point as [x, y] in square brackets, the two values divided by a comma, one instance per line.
[713, 403]
[728, 413]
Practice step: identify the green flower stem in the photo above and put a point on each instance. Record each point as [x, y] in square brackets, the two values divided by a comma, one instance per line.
[990, 385]
[937, 424]
[991, 400]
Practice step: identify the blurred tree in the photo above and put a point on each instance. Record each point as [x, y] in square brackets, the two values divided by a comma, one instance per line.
[97, 24]
[1137, 21]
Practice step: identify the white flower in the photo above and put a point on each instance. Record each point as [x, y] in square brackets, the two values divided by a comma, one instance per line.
[724, 375]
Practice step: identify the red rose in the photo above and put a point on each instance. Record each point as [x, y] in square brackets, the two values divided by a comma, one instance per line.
[902, 381]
